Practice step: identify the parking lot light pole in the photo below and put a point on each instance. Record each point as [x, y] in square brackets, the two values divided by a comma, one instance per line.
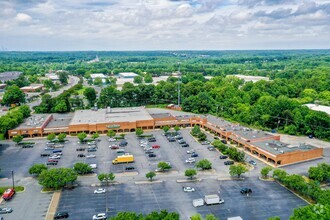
[12, 177]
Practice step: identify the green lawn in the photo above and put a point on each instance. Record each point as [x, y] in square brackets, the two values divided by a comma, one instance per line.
[17, 189]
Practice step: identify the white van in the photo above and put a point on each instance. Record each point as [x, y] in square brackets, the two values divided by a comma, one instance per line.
[198, 202]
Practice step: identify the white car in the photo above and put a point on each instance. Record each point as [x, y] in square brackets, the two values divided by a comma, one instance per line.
[55, 157]
[100, 216]
[91, 156]
[93, 166]
[99, 191]
[188, 189]
[191, 160]
[111, 139]
[190, 151]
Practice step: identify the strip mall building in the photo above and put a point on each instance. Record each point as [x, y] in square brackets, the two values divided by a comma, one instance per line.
[263, 145]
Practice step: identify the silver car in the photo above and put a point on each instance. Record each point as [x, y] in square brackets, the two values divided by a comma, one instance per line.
[5, 210]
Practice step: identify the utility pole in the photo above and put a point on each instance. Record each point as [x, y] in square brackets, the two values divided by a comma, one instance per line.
[12, 177]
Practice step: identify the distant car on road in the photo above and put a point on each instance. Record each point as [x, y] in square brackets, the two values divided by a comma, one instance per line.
[99, 191]
[188, 189]
[246, 190]
[60, 215]
[5, 210]
[100, 216]
[252, 162]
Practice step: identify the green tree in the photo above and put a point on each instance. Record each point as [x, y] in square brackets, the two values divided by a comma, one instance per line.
[63, 77]
[202, 136]
[37, 169]
[150, 175]
[190, 173]
[238, 170]
[98, 81]
[82, 168]
[312, 212]
[51, 136]
[320, 173]
[148, 78]
[95, 135]
[122, 135]
[107, 177]
[17, 138]
[166, 128]
[265, 171]
[90, 94]
[139, 132]
[111, 133]
[48, 84]
[81, 136]
[61, 107]
[274, 218]
[176, 128]
[164, 166]
[196, 217]
[61, 137]
[204, 164]
[13, 95]
[210, 217]
[196, 131]
[57, 178]
[138, 79]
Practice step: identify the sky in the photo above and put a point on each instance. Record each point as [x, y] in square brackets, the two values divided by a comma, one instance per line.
[75, 25]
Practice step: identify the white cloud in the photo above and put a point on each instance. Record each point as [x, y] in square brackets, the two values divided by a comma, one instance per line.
[23, 18]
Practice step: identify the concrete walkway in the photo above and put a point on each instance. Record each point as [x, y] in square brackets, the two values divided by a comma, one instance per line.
[53, 205]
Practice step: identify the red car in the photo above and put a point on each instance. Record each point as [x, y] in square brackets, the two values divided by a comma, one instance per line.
[52, 160]
[113, 147]
[8, 194]
[155, 146]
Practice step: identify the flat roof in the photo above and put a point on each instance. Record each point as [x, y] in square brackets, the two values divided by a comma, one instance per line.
[34, 121]
[32, 87]
[250, 78]
[320, 108]
[96, 75]
[10, 75]
[248, 133]
[128, 74]
[60, 120]
[169, 111]
[277, 147]
[115, 115]
[219, 122]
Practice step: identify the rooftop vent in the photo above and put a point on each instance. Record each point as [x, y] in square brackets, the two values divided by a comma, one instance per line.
[275, 148]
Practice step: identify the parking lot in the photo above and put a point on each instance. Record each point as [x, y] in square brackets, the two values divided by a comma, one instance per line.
[81, 202]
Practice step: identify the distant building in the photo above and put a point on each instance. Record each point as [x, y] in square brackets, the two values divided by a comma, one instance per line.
[7, 76]
[127, 75]
[98, 75]
[32, 88]
[53, 77]
[320, 108]
[94, 60]
[250, 78]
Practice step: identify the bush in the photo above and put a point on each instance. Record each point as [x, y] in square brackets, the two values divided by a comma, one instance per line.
[204, 164]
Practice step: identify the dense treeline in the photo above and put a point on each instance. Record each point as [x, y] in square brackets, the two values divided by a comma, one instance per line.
[13, 118]
[298, 77]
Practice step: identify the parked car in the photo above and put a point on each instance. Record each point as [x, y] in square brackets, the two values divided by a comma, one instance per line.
[60, 215]
[185, 145]
[152, 155]
[229, 162]
[205, 142]
[8, 194]
[171, 139]
[91, 156]
[27, 146]
[194, 155]
[111, 139]
[191, 160]
[55, 157]
[100, 216]
[211, 148]
[92, 143]
[216, 137]
[114, 147]
[223, 157]
[44, 154]
[181, 141]
[51, 163]
[246, 190]
[99, 191]
[155, 146]
[188, 189]
[178, 137]
[5, 210]
[123, 143]
[129, 168]
[81, 155]
[93, 166]
[81, 149]
[91, 149]
[224, 141]
[252, 162]
[190, 151]
[149, 152]
[52, 160]
[49, 148]
[152, 139]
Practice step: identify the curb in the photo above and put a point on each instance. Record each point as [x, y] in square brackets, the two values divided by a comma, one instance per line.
[167, 172]
[53, 205]
[266, 180]
[189, 181]
[148, 182]
[100, 184]
[127, 174]
[294, 193]
[228, 178]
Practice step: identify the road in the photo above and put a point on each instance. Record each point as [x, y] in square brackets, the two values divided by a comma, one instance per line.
[73, 80]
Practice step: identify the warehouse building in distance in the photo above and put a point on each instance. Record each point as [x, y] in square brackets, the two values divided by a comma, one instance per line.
[261, 144]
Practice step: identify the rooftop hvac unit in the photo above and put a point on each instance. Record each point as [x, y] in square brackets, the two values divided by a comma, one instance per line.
[275, 148]
[281, 151]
